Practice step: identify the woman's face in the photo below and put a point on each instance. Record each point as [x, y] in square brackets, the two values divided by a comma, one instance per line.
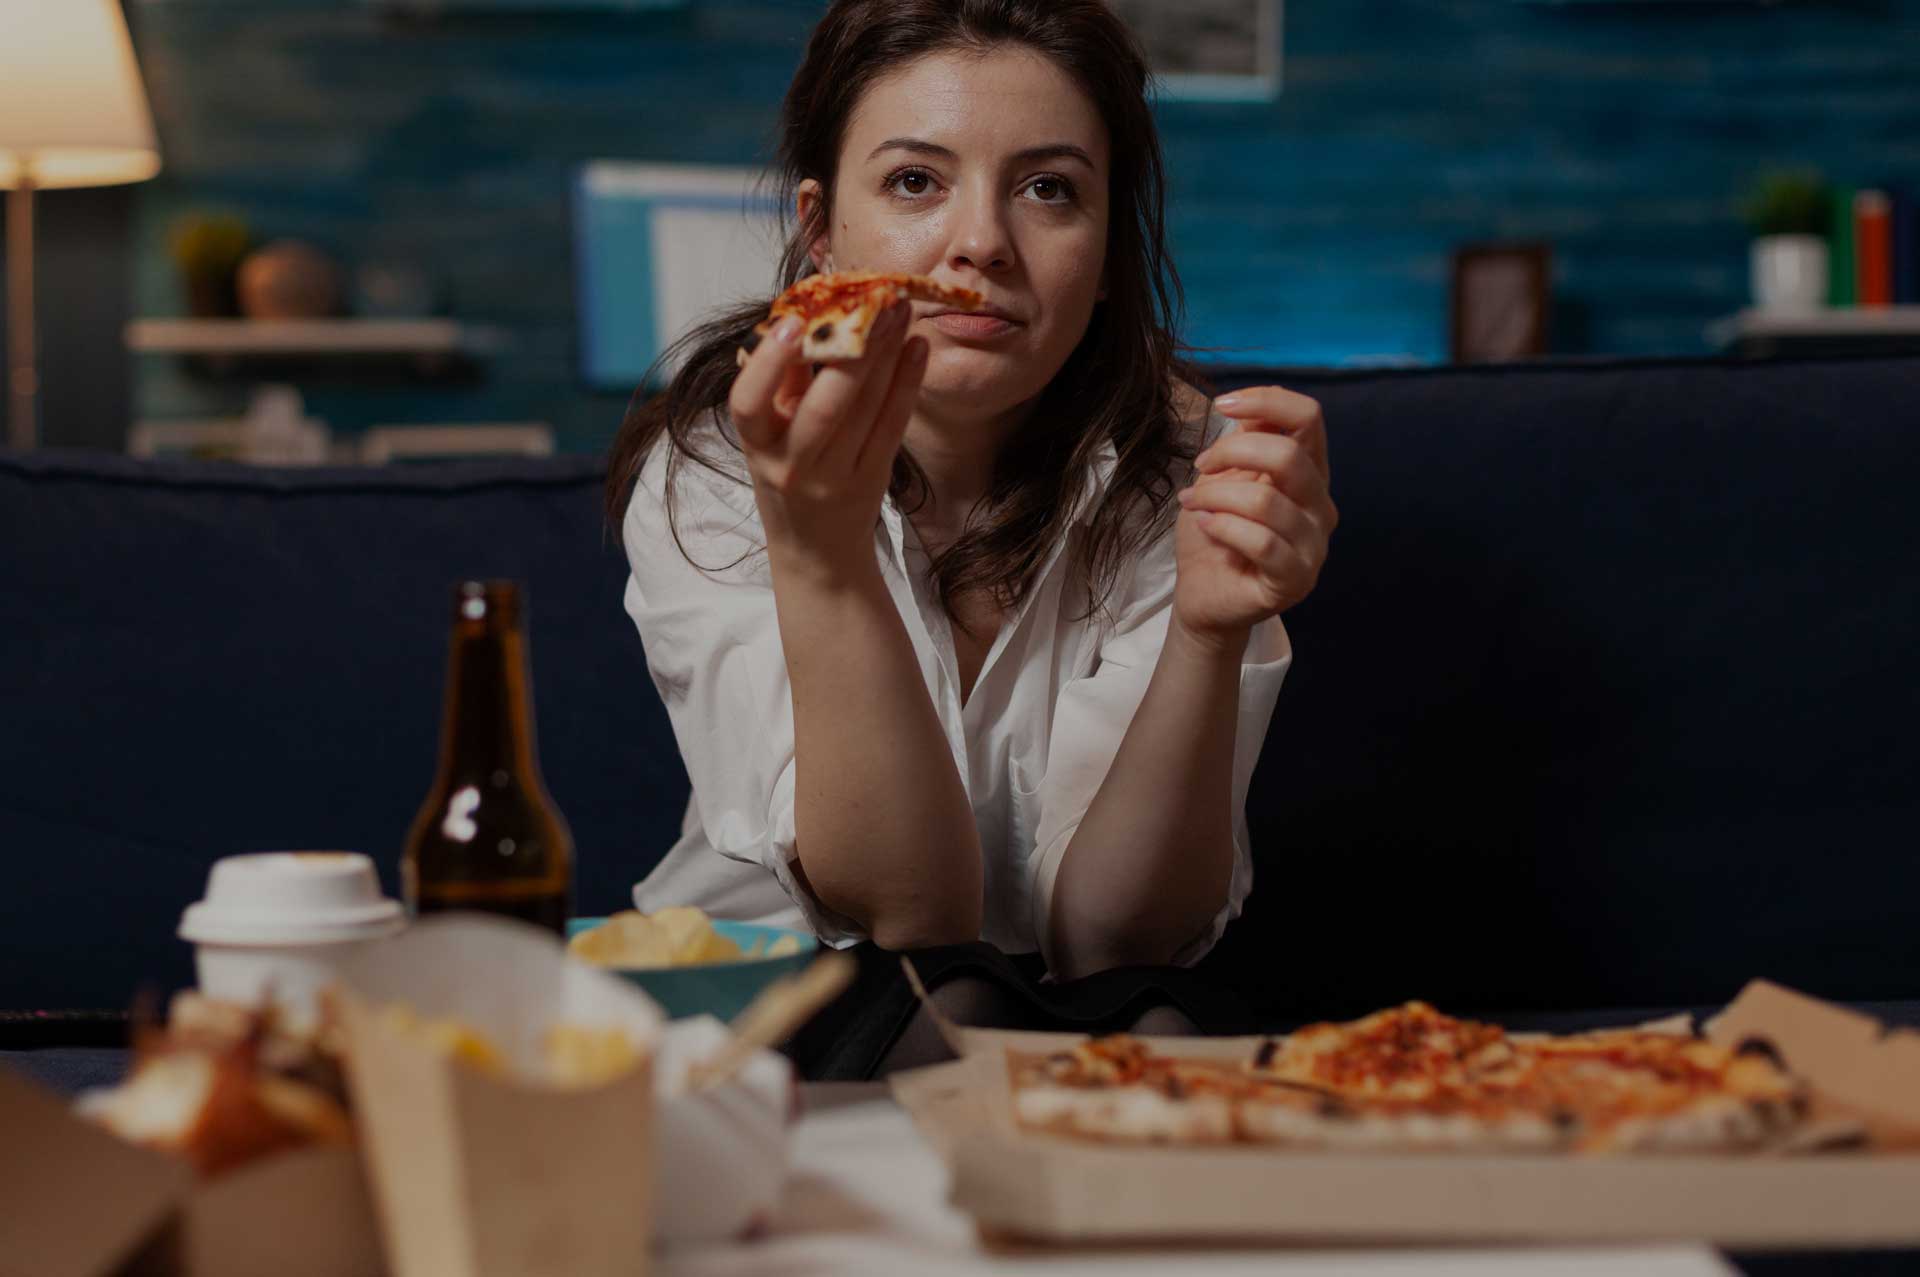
[988, 171]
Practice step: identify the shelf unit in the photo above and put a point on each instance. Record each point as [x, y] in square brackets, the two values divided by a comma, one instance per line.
[278, 348]
[1841, 328]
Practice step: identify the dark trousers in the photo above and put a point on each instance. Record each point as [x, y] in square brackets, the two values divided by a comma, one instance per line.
[851, 1036]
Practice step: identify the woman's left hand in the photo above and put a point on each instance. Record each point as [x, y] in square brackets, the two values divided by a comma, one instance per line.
[1253, 529]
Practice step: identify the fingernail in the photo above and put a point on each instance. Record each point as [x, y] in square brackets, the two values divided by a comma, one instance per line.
[1202, 459]
[1185, 496]
[1225, 402]
[788, 329]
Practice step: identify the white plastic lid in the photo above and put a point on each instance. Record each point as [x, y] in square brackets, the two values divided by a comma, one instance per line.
[292, 897]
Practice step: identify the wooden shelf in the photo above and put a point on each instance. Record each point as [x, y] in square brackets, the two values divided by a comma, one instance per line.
[308, 337]
[359, 351]
[1834, 324]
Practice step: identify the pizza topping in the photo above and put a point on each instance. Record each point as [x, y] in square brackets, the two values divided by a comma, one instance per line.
[840, 309]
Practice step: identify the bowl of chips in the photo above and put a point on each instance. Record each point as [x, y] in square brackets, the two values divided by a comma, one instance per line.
[689, 963]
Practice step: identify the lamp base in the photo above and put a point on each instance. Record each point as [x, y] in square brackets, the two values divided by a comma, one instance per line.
[23, 382]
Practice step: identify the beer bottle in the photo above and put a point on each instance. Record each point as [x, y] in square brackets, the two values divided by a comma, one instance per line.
[488, 836]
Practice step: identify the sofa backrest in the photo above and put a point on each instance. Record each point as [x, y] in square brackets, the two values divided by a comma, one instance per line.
[1606, 697]
[202, 659]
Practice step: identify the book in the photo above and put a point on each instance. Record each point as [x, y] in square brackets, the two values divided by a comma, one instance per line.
[1872, 248]
[1906, 247]
[1840, 281]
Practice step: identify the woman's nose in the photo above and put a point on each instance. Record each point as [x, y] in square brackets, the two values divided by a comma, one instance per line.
[980, 237]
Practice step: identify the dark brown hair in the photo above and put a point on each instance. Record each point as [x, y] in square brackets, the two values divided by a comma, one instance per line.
[1118, 384]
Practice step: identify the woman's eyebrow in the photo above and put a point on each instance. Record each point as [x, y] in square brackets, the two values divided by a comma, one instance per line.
[933, 150]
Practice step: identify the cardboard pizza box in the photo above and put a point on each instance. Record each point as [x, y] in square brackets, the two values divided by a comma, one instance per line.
[81, 1202]
[1034, 1187]
[482, 1175]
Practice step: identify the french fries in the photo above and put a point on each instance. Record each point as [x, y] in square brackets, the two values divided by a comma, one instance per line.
[574, 1056]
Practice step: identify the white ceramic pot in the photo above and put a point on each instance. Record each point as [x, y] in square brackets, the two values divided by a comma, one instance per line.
[273, 925]
[1789, 272]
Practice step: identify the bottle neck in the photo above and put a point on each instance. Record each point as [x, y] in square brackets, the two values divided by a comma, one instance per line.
[487, 726]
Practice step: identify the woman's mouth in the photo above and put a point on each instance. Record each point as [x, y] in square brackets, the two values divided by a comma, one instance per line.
[972, 326]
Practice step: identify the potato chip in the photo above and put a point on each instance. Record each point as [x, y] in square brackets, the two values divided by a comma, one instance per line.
[679, 936]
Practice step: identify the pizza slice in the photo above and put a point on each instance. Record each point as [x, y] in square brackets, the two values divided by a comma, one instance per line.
[1116, 1088]
[1634, 1091]
[839, 310]
[1406, 1053]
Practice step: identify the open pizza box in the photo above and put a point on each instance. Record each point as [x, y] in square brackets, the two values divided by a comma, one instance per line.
[484, 1172]
[1025, 1186]
[81, 1202]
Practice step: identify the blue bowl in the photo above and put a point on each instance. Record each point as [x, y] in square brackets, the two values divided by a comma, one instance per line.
[720, 989]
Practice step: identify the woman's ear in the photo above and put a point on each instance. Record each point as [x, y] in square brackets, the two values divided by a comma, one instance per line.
[810, 207]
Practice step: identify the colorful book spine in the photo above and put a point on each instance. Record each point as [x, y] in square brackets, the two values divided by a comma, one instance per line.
[1873, 248]
[1906, 248]
[1840, 279]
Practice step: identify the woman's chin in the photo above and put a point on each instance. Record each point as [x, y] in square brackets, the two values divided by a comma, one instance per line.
[962, 382]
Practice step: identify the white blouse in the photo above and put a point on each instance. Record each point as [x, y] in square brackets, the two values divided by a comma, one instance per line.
[1032, 743]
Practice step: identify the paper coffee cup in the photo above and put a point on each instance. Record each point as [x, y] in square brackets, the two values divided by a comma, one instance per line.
[273, 924]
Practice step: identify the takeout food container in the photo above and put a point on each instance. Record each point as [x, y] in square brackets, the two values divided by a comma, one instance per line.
[1036, 1187]
[483, 1175]
[721, 1151]
[81, 1202]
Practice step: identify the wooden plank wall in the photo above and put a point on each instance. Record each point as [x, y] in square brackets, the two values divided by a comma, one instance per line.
[1311, 229]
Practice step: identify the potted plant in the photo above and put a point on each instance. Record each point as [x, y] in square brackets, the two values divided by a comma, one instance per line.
[207, 249]
[1788, 213]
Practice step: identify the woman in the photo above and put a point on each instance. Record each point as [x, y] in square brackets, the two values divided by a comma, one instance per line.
[950, 652]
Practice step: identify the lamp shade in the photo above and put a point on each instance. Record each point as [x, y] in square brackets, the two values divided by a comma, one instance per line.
[72, 109]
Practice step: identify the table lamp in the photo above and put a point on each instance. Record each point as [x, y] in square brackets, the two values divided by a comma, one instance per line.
[72, 113]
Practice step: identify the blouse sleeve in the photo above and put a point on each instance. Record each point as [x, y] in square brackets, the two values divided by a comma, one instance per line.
[713, 648]
[1093, 714]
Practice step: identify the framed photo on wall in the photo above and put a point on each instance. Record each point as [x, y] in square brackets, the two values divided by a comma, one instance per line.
[657, 249]
[1210, 50]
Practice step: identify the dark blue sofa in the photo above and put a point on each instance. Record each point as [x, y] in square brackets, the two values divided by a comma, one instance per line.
[1607, 699]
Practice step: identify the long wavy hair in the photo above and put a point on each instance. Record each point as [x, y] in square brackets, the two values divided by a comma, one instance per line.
[1117, 386]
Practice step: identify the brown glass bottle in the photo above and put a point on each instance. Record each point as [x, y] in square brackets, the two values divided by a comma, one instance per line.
[488, 836]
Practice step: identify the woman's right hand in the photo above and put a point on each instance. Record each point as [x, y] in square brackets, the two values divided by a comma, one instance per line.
[820, 447]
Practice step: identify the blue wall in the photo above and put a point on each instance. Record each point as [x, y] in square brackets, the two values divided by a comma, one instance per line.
[1313, 229]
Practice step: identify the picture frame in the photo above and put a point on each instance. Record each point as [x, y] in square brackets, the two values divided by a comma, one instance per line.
[657, 249]
[1210, 50]
[1501, 302]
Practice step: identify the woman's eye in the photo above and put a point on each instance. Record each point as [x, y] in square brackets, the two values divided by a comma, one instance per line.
[910, 182]
[1050, 190]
